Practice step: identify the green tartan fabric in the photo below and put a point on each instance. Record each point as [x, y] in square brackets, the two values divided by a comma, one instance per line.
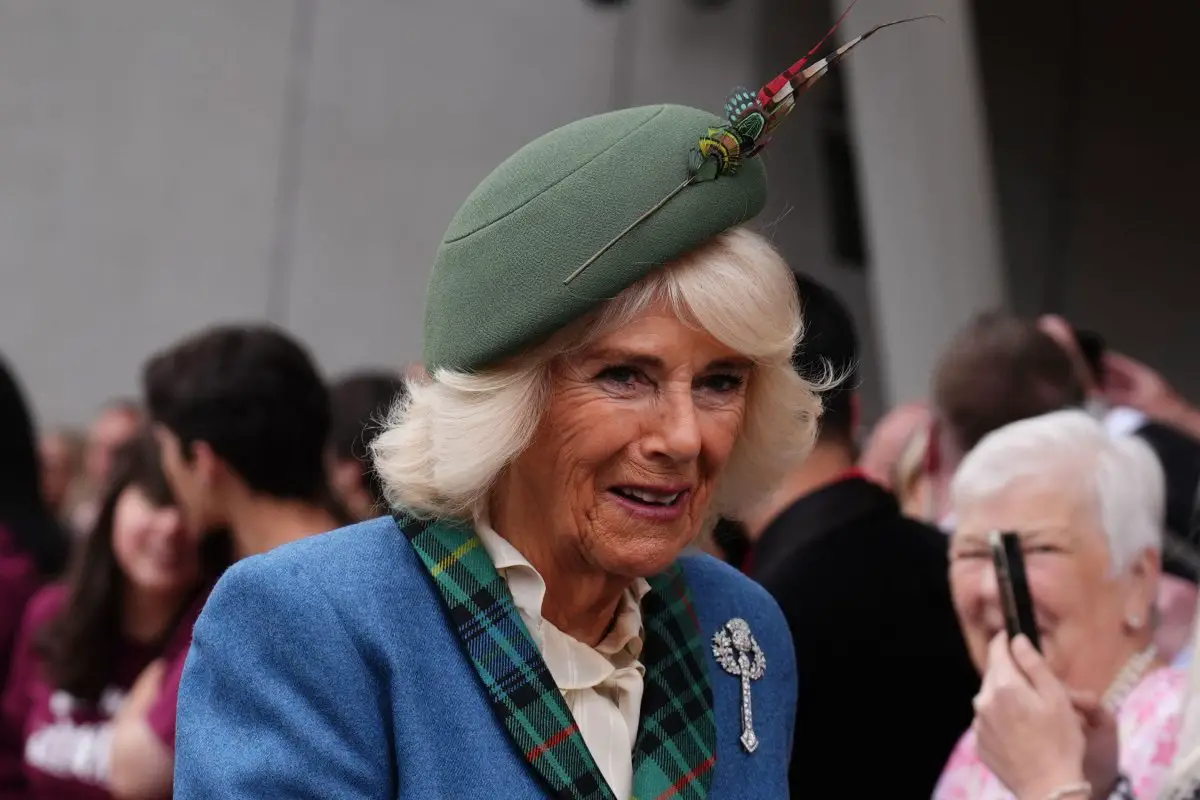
[676, 746]
[518, 682]
[677, 741]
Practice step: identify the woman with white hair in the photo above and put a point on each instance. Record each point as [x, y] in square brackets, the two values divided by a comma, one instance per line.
[1089, 511]
[608, 372]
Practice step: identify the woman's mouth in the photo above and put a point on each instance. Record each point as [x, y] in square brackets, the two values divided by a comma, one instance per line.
[660, 504]
[165, 558]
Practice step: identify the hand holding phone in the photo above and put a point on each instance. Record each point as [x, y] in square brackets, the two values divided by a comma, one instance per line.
[1015, 598]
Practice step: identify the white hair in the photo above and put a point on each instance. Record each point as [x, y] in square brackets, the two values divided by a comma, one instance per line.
[1120, 474]
[443, 446]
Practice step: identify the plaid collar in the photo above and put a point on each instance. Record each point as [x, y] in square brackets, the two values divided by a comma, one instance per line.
[676, 747]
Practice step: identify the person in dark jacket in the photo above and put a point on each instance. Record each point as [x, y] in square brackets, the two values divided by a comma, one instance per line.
[880, 657]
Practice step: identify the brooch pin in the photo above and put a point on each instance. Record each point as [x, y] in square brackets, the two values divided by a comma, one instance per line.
[738, 653]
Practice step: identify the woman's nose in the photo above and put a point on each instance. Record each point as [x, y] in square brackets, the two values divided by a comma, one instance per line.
[677, 427]
[987, 601]
[989, 585]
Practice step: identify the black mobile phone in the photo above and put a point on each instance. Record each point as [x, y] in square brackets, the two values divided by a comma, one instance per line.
[1014, 586]
[1092, 347]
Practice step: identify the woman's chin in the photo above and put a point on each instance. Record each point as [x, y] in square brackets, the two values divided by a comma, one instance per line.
[640, 561]
[163, 587]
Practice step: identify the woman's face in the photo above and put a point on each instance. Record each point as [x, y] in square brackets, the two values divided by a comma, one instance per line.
[151, 546]
[1083, 611]
[625, 462]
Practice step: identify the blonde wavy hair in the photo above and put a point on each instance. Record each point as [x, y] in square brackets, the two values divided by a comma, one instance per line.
[444, 445]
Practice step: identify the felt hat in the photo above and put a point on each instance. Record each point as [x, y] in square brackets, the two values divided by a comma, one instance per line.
[586, 211]
[499, 281]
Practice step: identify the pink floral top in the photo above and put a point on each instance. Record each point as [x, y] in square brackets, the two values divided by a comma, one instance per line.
[1148, 722]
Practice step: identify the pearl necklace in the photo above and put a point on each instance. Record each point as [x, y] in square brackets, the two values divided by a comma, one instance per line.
[1127, 679]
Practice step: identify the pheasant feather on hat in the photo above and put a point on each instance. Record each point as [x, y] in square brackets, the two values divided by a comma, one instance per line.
[751, 117]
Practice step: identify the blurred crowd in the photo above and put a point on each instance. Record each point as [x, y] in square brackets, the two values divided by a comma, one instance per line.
[110, 540]
[880, 557]
[876, 549]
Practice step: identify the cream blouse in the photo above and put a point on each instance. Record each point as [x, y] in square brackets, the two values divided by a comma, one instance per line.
[602, 686]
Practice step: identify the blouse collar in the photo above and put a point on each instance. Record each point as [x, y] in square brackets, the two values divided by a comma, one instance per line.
[572, 663]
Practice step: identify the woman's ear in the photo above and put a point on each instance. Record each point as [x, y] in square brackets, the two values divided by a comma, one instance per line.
[1142, 598]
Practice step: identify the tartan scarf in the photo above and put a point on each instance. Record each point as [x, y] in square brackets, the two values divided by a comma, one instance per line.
[676, 747]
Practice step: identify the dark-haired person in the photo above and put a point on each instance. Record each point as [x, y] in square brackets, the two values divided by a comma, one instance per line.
[998, 369]
[82, 645]
[117, 423]
[33, 546]
[866, 593]
[360, 403]
[242, 418]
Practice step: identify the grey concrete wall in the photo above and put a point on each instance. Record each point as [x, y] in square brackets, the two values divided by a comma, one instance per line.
[408, 107]
[139, 146]
[168, 163]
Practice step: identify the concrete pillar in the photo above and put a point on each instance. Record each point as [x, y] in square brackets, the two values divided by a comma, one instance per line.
[931, 219]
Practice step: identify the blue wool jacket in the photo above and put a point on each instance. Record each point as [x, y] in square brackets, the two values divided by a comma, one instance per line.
[329, 669]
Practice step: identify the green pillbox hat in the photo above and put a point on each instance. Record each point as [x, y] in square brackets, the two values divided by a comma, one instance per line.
[588, 210]
[498, 281]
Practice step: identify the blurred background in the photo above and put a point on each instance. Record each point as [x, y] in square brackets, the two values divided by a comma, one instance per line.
[165, 164]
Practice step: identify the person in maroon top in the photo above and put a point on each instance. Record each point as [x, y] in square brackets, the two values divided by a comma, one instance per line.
[242, 418]
[31, 540]
[129, 600]
[33, 547]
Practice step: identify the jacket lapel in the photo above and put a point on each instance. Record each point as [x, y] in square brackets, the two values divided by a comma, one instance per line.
[676, 747]
[523, 695]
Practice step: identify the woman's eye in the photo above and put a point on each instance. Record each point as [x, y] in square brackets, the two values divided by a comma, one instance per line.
[723, 384]
[621, 376]
[969, 555]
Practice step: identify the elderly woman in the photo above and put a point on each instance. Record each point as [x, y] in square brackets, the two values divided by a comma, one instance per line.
[608, 373]
[1089, 510]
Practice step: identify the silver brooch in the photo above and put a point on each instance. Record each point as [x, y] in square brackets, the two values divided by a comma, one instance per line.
[739, 654]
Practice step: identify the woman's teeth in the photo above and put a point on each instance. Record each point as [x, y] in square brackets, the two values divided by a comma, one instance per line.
[654, 498]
